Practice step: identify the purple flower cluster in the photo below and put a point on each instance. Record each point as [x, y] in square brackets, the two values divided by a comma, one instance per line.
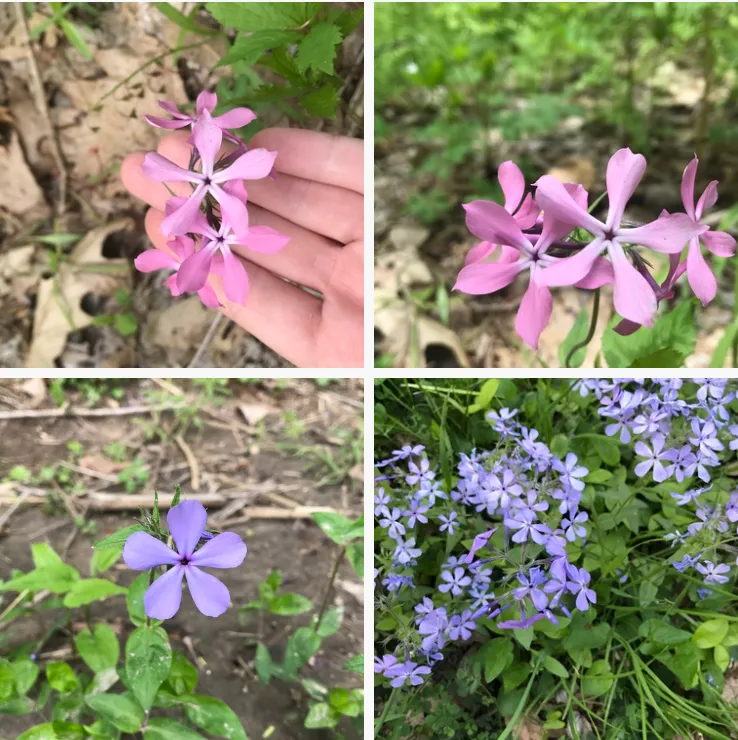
[523, 503]
[681, 433]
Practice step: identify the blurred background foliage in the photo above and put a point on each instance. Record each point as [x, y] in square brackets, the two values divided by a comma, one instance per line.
[557, 87]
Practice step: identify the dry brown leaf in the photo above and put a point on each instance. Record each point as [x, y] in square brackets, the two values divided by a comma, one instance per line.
[255, 412]
[58, 309]
[100, 464]
[20, 194]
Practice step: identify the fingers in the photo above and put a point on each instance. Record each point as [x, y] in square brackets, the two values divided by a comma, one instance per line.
[311, 155]
[283, 316]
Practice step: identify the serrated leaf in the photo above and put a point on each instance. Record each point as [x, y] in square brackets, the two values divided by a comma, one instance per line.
[183, 21]
[262, 16]
[148, 660]
[248, 49]
[90, 590]
[322, 102]
[318, 49]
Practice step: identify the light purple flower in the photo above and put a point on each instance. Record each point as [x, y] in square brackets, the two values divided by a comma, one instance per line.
[654, 455]
[579, 584]
[419, 474]
[408, 671]
[449, 522]
[571, 472]
[713, 572]
[454, 582]
[383, 664]
[186, 522]
[573, 526]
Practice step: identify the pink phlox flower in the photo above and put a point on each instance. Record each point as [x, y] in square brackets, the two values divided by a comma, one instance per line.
[634, 297]
[206, 102]
[520, 252]
[700, 277]
[156, 259]
[523, 209]
[253, 165]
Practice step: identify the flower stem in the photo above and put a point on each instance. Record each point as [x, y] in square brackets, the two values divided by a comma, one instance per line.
[385, 711]
[590, 333]
[327, 596]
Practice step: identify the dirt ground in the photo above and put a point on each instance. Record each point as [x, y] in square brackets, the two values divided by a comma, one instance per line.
[97, 107]
[263, 436]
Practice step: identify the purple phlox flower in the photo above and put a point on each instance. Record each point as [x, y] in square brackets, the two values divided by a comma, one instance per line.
[406, 551]
[529, 503]
[449, 522]
[479, 542]
[654, 455]
[381, 499]
[684, 498]
[522, 623]
[684, 461]
[705, 438]
[676, 538]
[481, 595]
[702, 463]
[573, 526]
[408, 671]
[407, 451]
[503, 421]
[539, 453]
[396, 527]
[619, 426]
[461, 625]
[688, 561]
[430, 491]
[734, 432]
[497, 491]
[530, 586]
[578, 584]
[479, 573]
[556, 585]
[714, 387]
[186, 521]
[424, 607]
[395, 581]
[255, 164]
[569, 499]
[571, 472]
[432, 626]
[419, 474]
[455, 581]
[713, 572]
[556, 544]
[416, 513]
[453, 562]
[731, 508]
[703, 593]
[526, 526]
[384, 663]
[650, 424]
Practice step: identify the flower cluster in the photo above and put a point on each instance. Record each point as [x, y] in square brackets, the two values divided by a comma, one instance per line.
[523, 503]
[682, 432]
[543, 236]
[203, 227]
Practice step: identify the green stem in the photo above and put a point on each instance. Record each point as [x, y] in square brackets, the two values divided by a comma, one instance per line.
[522, 703]
[385, 711]
[327, 597]
[590, 333]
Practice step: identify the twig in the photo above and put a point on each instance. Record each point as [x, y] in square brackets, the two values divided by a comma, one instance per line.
[89, 473]
[9, 512]
[272, 512]
[22, 595]
[195, 362]
[333, 396]
[340, 554]
[43, 109]
[191, 461]
[83, 412]
[167, 386]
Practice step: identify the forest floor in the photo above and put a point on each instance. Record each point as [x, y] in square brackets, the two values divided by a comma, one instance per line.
[79, 302]
[413, 258]
[266, 448]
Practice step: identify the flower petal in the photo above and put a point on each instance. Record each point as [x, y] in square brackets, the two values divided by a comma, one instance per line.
[211, 597]
[688, 178]
[160, 169]
[707, 200]
[173, 110]
[164, 595]
[554, 198]
[719, 242]
[179, 222]
[226, 550]
[600, 274]
[480, 252]
[235, 118]
[235, 278]
[527, 214]
[206, 101]
[182, 246]
[207, 138]
[171, 283]
[155, 259]
[571, 270]
[668, 233]
[487, 277]
[254, 165]
[193, 272]
[237, 189]
[186, 523]
[166, 122]
[633, 297]
[208, 297]
[699, 274]
[624, 172]
[265, 240]
[143, 551]
[490, 222]
[512, 183]
[534, 312]
[233, 211]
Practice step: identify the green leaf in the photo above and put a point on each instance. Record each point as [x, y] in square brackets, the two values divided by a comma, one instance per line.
[484, 398]
[99, 648]
[598, 679]
[331, 622]
[125, 324]
[268, 587]
[183, 21]
[722, 657]
[161, 728]
[318, 48]
[75, 38]
[44, 556]
[148, 660]
[248, 49]
[25, 672]
[102, 681]
[684, 663]
[118, 539]
[55, 577]
[339, 528]
[355, 664]
[514, 676]
[288, 604]
[264, 15]
[355, 555]
[495, 656]
[177, 495]
[182, 676]
[57, 730]
[61, 677]
[586, 636]
[92, 589]
[711, 633]
[576, 334]
[555, 667]
[348, 702]
[121, 710]
[663, 633]
[263, 663]
[675, 332]
[301, 646]
[104, 559]
[321, 102]
[322, 715]
[598, 476]
[214, 716]
[720, 353]
[135, 597]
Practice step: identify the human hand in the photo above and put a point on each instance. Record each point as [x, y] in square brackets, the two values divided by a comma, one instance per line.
[317, 200]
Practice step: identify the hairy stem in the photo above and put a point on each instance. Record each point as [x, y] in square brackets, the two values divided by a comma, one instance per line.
[340, 554]
[590, 333]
